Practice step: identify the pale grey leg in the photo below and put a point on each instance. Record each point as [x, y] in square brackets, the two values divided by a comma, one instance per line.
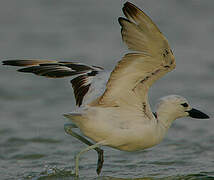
[80, 153]
[68, 130]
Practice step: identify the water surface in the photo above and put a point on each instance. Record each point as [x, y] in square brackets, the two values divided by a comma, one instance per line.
[33, 144]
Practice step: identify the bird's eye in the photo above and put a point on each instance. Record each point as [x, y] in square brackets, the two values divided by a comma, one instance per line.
[184, 104]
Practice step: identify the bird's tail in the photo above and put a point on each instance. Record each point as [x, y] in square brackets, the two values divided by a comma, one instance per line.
[74, 117]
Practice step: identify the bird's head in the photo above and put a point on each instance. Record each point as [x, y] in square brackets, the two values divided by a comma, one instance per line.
[172, 107]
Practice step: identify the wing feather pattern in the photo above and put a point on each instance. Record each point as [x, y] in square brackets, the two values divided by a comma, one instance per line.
[81, 82]
[131, 79]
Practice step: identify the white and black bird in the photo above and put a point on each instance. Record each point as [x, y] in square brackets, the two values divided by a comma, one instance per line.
[113, 107]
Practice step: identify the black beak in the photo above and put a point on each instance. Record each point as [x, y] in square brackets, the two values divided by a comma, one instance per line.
[194, 113]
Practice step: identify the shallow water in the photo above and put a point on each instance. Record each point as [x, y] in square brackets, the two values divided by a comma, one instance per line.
[33, 144]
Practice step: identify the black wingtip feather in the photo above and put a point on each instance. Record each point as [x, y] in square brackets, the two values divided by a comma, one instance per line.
[11, 63]
[80, 89]
[121, 19]
[130, 9]
[130, 6]
[18, 62]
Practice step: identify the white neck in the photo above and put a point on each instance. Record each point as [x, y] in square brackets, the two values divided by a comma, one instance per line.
[165, 118]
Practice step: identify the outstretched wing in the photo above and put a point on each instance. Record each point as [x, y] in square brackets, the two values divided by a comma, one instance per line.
[88, 81]
[136, 72]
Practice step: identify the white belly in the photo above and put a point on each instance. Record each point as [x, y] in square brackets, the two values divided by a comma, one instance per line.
[124, 131]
